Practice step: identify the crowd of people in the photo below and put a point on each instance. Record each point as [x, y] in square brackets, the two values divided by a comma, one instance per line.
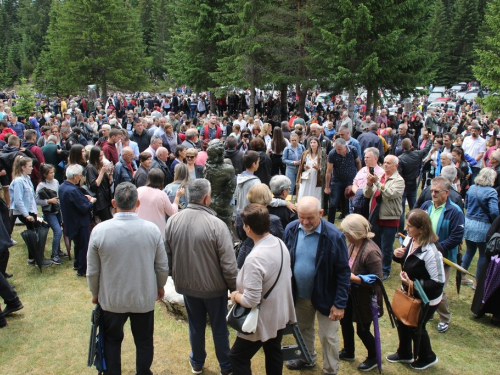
[97, 172]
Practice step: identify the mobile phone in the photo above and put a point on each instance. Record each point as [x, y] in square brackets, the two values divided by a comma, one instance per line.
[372, 170]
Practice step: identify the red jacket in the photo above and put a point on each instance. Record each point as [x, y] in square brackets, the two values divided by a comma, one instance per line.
[110, 151]
[5, 131]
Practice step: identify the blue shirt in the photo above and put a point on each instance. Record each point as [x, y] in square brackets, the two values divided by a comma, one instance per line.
[305, 261]
[344, 167]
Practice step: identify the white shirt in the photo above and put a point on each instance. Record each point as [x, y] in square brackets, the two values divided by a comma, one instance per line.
[473, 147]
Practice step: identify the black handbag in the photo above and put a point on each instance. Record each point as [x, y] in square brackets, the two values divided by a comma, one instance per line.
[238, 314]
[51, 208]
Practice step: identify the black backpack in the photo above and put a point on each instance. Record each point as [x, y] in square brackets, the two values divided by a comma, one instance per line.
[85, 131]
[493, 245]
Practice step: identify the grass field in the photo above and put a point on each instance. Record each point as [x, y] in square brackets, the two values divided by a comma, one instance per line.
[50, 335]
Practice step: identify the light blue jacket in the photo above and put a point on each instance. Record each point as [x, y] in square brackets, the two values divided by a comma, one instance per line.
[22, 195]
[288, 157]
[489, 199]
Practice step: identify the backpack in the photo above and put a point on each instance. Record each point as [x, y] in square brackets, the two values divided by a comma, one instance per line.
[493, 246]
[85, 131]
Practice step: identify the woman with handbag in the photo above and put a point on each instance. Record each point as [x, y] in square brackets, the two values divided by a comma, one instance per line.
[263, 285]
[481, 203]
[310, 173]
[365, 258]
[421, 260]
[46, 196]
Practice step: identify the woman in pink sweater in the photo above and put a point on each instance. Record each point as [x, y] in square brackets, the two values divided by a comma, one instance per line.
[154, 203]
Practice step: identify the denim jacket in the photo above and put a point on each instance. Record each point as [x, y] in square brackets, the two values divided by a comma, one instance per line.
[22, 195]
[288, 157]
[489, 200]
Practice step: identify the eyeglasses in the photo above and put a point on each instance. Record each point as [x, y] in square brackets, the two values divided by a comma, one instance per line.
[190, 157]
[437, 191]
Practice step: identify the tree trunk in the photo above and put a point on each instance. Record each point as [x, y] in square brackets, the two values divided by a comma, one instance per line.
[104, 87]
[351, 104]
[212, 101]
[284, 102]
[302, 91]
[368, 101]
[252, 100]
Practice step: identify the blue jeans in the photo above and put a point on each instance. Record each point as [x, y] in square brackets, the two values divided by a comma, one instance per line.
[470, 251]
[197, 309]
[384, 238]
[54, 221]
[337, 195]
[411, 197]
[291, 173]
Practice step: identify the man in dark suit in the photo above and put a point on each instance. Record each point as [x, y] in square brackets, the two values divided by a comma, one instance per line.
[396, 148]
[76, 208]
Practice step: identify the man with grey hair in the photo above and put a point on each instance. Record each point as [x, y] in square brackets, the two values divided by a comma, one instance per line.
[370, 138]
[346, 121]
[345, 134]
[343, 165]
[156, 142]
[76, 212]
[397, 139]
[448, 222]
[160, 162]
[203, 269]
[449, 173]
[280, 187]
[191, 139]
[324, 141]
[131, 294]
[390, 187]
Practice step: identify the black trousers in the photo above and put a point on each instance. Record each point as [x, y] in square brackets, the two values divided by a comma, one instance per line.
[407, 336]
[22, 219]
[363, 331]
[105, 214]
[81, 241]
[243, 351]
[142, 325]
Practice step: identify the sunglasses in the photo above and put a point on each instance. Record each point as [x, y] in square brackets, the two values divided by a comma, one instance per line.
[190, 157]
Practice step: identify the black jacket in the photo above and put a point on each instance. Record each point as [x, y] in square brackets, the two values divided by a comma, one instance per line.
[142, 140]
[409, 165]
[236, 157]
[157, 163]
[394, 142]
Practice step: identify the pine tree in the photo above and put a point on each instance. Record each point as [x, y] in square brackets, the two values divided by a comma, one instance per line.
[464, 29]
[161, 24]
[439, 44]
[486, 66]
[195, 50]
[92, 42]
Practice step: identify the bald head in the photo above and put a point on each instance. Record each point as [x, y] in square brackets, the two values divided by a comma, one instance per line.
[310, 213]
[127, 154]
[162, 153]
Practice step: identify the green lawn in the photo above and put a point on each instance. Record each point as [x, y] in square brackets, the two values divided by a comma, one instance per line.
[50, 335]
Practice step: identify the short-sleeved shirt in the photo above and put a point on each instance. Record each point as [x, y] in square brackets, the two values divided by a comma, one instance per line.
[435, 215]
[473, 147]
[344, 167]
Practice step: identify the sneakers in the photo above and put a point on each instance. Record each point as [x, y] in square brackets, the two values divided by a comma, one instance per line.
[57, 261]
[368, 364]
[386, 276]
[422, 365]
[344, 356]
[14, 242]
[228, 372]
[443, 327]
[62, 254]
[467, 282]
[298, 364]
[195, 370]
[45, 263]
[395, 358]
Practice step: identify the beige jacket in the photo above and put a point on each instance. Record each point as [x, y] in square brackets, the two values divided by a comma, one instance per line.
[256, 277]
[391, 206]
[200, 253]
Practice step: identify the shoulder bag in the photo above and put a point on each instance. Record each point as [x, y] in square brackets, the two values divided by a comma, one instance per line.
[406, 306]
[244, 319]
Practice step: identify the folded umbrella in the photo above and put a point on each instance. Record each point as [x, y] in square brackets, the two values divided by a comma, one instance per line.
[35, 240]
[96, 343]
[375, 309]
[67, 242]
[458, 277]
[457, 267]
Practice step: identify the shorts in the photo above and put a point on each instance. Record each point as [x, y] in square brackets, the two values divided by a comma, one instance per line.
[5, 180]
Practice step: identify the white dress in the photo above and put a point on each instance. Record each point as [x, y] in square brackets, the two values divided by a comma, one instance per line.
[308, 187]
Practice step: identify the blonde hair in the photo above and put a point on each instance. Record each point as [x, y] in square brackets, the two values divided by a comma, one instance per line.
[260, 194]
[192, 151]
[264, 130]
[357, 227]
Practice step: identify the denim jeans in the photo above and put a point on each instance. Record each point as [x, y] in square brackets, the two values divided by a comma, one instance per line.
[54, 221]
[336, 196]
[291, 173]
[384, 238]
[197, 310]
[411, 197]
[471, 251]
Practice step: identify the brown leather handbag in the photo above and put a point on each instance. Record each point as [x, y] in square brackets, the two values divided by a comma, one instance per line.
[406, 306]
